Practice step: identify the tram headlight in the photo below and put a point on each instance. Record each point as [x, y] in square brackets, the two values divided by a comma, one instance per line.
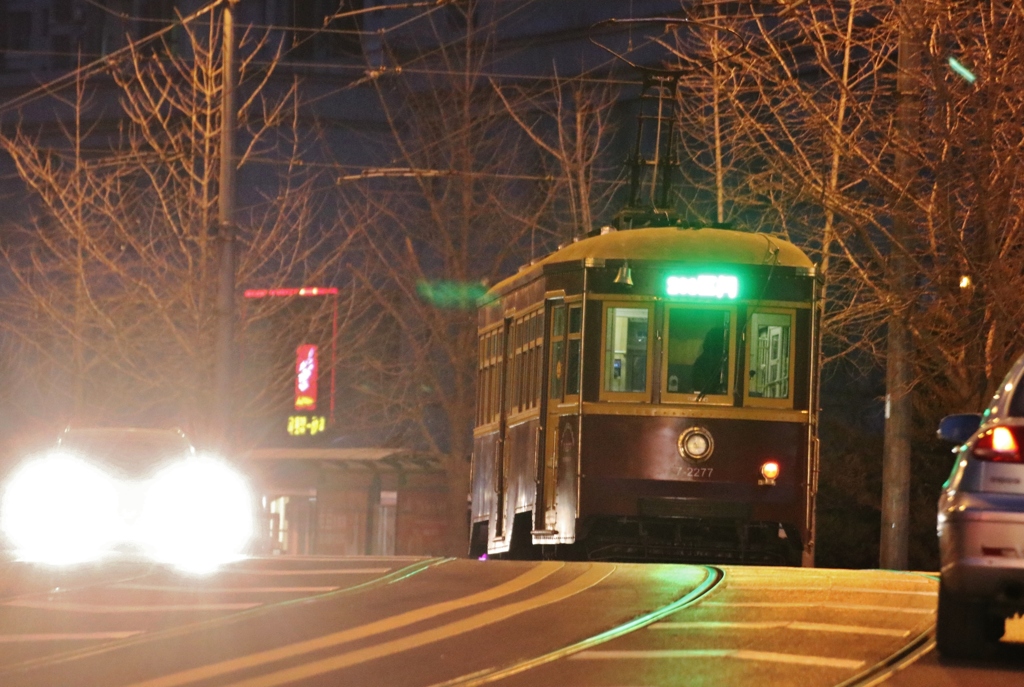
[60, 510]
[770, 471]
[197, 514]
[696, 443]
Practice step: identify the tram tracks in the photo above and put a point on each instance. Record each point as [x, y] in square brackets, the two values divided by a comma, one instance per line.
[878, 673]
[772, 623]
[713, 578]
[918, 645]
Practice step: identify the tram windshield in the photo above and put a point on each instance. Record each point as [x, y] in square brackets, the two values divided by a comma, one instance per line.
[770, 354]
[625, 349]
[697, 356]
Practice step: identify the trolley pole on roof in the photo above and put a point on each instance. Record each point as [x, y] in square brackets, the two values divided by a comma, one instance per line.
[654, 159]
[224, 359]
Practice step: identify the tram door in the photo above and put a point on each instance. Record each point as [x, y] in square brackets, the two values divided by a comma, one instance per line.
[565, 322]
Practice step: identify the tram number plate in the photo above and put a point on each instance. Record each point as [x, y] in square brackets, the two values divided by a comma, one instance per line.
[698, 472]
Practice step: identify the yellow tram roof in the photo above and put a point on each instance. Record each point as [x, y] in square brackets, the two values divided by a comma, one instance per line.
[673, 244]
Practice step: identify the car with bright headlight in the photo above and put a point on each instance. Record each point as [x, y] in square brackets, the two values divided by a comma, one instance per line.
[104, 491]
[981, 523]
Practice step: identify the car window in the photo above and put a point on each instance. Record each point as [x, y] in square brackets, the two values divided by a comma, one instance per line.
[1017, 403]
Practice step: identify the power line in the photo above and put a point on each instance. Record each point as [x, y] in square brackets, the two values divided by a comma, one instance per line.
[98, 64]
[433, 5]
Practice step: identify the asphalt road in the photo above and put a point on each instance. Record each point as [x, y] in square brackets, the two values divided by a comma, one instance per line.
[429, 622]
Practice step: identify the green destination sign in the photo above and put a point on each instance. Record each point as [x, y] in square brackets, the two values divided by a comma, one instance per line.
[704, 285]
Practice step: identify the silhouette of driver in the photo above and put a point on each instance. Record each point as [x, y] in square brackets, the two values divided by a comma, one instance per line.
[709, 366]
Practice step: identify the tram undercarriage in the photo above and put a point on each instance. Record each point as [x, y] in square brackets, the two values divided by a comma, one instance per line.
[689, 540]
[660, 539]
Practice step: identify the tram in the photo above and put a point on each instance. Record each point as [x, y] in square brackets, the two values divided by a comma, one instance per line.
[650, 394]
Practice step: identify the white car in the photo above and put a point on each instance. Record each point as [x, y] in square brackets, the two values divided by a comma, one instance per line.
[103, 491]
[981, 523]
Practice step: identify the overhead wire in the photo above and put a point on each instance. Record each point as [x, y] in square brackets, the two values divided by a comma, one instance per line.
[428, 55]
[98, 64]
[410, 67]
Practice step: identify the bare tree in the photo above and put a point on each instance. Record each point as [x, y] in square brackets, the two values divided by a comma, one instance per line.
[485, 178]
[114, 269]
[911, 209]
[569, 122]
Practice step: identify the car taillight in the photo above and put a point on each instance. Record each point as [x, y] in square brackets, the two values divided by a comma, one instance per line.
[999, 445]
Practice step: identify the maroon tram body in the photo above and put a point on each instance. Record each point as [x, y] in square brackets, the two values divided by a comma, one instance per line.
[650, 394]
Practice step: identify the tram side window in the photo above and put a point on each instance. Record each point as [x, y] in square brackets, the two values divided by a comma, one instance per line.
[533, 331]
[524, 361]
[769, 355]
[497, 364]
[488, 378]
[481, 381]
[518, 379]
[697, 360]
[625, 349]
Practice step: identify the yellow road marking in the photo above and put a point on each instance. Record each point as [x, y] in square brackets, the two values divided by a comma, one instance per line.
[864, 590]
[742, 654]
[811, 604]
[301, 672]
[531, 577]
[780, 625]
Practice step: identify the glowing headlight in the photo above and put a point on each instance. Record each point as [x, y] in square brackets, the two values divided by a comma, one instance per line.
[770, 471]
[197, 515]
[696, 443]
[60, 510]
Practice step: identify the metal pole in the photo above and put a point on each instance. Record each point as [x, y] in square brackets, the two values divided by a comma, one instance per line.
[225, 339]
[898, 375]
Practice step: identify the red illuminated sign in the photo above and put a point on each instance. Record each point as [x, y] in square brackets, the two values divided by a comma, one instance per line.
[305, 377]
[303, 291]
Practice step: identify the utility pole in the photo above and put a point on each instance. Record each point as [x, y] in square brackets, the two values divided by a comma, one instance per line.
[224, 360]
[898, 376]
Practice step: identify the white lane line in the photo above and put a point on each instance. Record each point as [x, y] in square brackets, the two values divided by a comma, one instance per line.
[101, 608]
[785, 624]
[799, 604]
[772, 588]
[334, 571]
[742, 654]
[67, 636]
[224, 590]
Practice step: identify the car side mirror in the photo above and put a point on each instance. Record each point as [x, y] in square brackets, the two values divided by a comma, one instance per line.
[958, 428]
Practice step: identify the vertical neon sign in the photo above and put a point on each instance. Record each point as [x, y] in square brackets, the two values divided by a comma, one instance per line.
[305, 377]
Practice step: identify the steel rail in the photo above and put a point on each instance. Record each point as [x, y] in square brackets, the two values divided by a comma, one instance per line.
[899, 659]
[712, 578]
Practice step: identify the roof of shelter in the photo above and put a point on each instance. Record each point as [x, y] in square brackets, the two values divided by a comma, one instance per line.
[386, 458]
